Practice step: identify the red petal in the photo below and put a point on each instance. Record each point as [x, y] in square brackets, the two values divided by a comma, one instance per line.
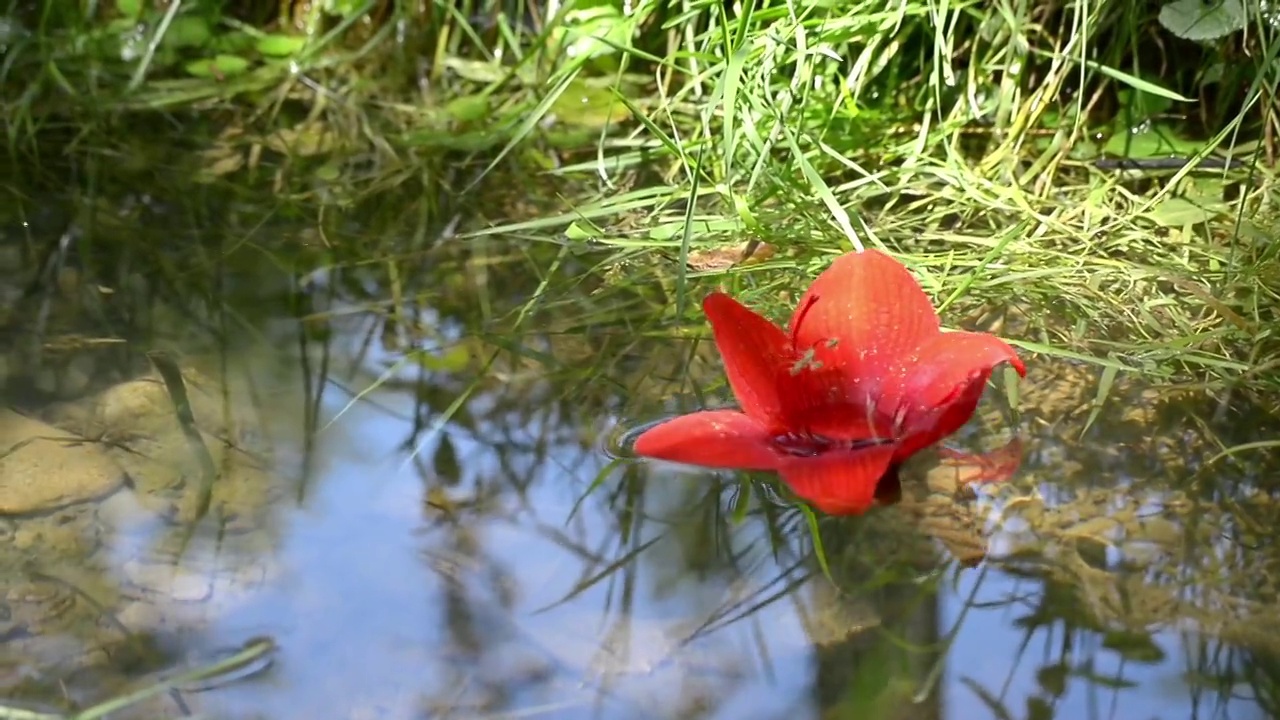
[980, 468]
[818, 407]
[877, 313]
[714, 439]
[838, 483]
[784, 391]
[754, 351]
[943, 388]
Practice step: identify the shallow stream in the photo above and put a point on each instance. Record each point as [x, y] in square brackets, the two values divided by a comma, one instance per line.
[414, 502]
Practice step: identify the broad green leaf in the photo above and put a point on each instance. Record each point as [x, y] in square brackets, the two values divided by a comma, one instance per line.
[1053, 678]
[467, 108]
[581, 230]
[330, 172]
[187, 31]
[218, 66]
[477, 141]
[343, 8]
[1156, 141]
[1206, 191]
[1142, 106]
[1180, 212]
[594, 29]
[1133, 646]
[1200, 21]
[1083, 149]
[129, 8]
[453, 359]
[476, 70]
[278, 45]
[583, 105]
[234, 43]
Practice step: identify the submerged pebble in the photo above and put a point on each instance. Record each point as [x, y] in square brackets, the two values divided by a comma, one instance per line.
[168, 580]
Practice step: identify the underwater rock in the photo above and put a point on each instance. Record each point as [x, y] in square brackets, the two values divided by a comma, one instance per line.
[72, 533]
[169, 581]
[42, 467]
[140, 408]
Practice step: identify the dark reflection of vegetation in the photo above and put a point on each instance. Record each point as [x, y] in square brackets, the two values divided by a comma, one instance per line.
[1064, 641]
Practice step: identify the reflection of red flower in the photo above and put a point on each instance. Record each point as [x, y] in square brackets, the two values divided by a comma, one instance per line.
[862, 379]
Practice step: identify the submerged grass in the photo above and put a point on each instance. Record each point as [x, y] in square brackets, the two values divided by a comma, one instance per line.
[1016, 155]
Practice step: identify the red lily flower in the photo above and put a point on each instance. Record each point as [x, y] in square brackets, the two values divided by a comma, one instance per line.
[862, 379]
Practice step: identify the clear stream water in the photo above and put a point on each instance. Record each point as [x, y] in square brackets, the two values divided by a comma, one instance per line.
[519, 571]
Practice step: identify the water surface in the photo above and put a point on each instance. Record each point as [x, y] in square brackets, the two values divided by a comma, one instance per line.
[430, 525]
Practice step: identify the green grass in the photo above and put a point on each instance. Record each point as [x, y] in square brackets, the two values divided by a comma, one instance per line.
[962, 136]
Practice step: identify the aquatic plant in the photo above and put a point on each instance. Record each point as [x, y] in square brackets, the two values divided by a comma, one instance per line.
[863, 379]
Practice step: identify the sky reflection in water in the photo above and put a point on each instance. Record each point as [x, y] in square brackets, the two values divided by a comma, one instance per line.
[386, 607]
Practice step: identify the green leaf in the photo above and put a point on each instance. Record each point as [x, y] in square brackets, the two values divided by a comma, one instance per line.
[467, 109]
[582, 230]
[1011, 394]
[1136, 82]
[1154, 141]
[234, 43]
[343, 8]
[445, 461]
[218, 66]
[453, 359]
[1083, 149]
[594, 30]
[1201, 21]
[129, 8]
[584, 105]
[1105, 383]
[1133, 646]
[476, 70]
[815, 535]
[1142, 106]
[330, 172]
[277, 45]
[477, 140]
[187, 31]
[1180, 212]
[1053, 678]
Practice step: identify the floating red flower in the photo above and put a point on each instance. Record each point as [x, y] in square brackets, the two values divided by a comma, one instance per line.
[862, 379]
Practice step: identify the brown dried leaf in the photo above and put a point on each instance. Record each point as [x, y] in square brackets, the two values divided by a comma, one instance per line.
[220, 165]
[305, 140]
[726, 256]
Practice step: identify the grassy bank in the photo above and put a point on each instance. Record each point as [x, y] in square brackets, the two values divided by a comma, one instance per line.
[1094, 180]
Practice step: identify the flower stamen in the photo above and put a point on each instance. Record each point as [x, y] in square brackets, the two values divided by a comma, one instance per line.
[801, 312]
[807, 361]
[806, 444]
